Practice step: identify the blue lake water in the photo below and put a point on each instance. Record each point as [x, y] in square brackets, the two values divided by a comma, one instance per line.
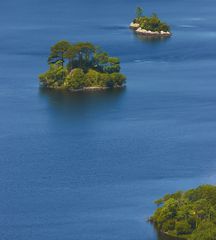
[88, 166]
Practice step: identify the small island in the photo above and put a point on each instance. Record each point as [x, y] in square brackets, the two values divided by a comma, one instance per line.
[188, 215]
[81, 66]
[149, 26]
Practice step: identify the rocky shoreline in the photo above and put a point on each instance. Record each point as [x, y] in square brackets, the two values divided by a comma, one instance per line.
[136, 27]
[84, 89]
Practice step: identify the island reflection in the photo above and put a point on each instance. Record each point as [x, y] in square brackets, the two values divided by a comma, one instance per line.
[150, 39]
[81, 104]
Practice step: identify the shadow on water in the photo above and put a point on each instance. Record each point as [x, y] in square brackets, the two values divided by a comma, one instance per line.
[82, 104]
[150, 39]
[114, 28]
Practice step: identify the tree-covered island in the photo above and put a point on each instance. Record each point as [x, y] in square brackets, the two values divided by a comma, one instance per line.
[150, 26]
[188, 215]
[81, 66]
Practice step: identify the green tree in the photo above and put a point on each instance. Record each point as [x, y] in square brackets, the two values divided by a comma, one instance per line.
[82, 55]
[139, 12]
[113, 65]
[106, 64]
[58, 52]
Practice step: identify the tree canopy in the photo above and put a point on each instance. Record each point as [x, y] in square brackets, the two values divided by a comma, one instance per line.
[190, 214]
[58, 52]
[81, 65]
[139, 12]
[152, 23]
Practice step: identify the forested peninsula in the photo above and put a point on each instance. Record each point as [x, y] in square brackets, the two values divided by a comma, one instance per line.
[81, 66]
[149, 26]
[188, 215]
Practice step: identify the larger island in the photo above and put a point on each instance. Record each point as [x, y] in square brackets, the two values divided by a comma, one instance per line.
[81, 66]
[188, 215]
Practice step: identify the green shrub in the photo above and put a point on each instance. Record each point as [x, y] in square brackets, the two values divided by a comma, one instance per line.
[168, 226]
[55, 76]
[92, 78]
[183, 227]
[75, 80]
[118, 79]
[205, 231]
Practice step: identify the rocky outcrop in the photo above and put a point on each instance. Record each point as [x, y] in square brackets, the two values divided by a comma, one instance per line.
[151, 33]
[134, 25]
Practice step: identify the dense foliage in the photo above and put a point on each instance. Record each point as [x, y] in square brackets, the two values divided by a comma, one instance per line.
[152, 23]
[81, 65]
[190, 214]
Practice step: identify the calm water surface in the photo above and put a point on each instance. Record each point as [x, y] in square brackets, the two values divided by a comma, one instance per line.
[88, 166]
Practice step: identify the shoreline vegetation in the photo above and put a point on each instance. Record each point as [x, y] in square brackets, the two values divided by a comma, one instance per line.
[81, 67]
[149, 26]
[189, 215]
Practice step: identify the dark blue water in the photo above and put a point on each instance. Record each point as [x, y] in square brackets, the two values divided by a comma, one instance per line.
[88, 166]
